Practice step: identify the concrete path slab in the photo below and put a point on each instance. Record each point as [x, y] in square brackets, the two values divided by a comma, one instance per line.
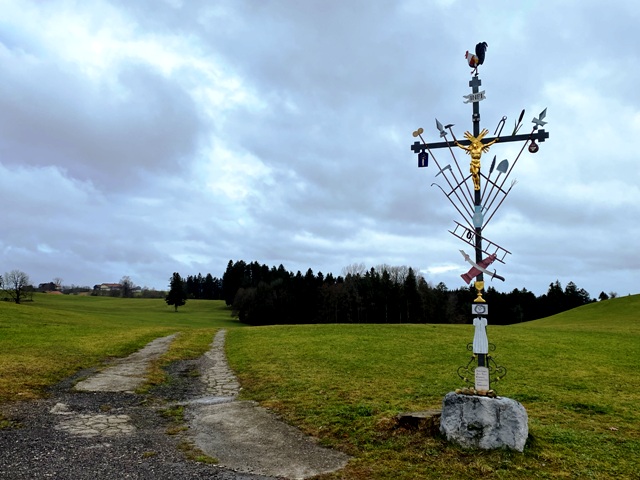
[246, 437]
[218, 378]
[128, 373]
[91, 424]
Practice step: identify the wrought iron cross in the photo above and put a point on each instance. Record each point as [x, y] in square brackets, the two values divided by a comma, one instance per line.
[475, 206]
[537, 134]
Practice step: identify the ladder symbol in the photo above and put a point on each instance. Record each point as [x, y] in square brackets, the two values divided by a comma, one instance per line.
[468, 236]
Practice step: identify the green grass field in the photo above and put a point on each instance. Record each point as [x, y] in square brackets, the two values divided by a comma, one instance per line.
[575, 373]
[47, 340]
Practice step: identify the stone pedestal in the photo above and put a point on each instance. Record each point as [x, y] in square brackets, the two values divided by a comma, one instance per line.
[474, 421]
[427, 421]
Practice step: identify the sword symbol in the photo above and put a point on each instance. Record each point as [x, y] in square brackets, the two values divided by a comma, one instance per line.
[477, 268]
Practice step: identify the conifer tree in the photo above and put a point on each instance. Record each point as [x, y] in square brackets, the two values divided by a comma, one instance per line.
[177, 295]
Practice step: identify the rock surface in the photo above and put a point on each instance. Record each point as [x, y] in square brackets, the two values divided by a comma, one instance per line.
[486, 423]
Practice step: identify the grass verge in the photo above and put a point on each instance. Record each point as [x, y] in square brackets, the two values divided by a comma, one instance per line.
[189, 345]
[43, 342]
[345, 384]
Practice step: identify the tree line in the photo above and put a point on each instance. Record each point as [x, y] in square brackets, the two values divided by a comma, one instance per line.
[15, 286]
[197, 287]
[262, 295]
[205, 287]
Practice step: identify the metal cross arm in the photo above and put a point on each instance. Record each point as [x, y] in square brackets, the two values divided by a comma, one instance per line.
[539, 136]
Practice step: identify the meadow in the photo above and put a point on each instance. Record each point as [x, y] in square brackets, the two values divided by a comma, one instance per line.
[44, 341]
[575, 373]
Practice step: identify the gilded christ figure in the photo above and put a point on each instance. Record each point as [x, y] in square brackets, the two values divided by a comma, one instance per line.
[476, 149]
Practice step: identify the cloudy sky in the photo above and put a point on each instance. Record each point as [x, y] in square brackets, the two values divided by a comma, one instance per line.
[142, 137]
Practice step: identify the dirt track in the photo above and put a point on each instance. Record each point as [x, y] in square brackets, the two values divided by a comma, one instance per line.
[93, 426]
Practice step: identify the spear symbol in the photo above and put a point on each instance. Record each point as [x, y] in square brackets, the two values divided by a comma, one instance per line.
[441, 129]
[502, 168]
[513, 182]
[418, 133]
[539, 122]
[455, 160]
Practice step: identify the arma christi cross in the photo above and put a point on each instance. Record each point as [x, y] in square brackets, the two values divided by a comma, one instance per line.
[475, 207]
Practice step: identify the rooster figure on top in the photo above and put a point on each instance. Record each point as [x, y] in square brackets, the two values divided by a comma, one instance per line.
[477, 59]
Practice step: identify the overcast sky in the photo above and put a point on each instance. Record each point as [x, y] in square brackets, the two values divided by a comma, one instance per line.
[141, 137]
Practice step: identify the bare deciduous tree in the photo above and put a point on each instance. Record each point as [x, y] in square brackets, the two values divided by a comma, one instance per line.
[355, 269]
[126, 287]
[16, 284]
[398, 274]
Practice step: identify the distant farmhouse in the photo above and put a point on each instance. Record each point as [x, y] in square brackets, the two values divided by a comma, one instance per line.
[48, 287]
[108, 288]
[116, 290]
[102, 289]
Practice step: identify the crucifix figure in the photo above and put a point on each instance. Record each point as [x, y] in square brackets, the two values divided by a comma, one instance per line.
[476, 148]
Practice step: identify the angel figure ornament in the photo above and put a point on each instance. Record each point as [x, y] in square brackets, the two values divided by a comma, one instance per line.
[480, 340]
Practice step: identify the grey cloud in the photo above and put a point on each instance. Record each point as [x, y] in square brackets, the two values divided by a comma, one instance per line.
[133, 171]
[109, 132]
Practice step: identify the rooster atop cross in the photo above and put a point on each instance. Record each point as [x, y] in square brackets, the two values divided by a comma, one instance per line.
[477, 59]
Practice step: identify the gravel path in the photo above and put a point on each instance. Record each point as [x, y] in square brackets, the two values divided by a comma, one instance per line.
[97, 435]
[93, 426]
